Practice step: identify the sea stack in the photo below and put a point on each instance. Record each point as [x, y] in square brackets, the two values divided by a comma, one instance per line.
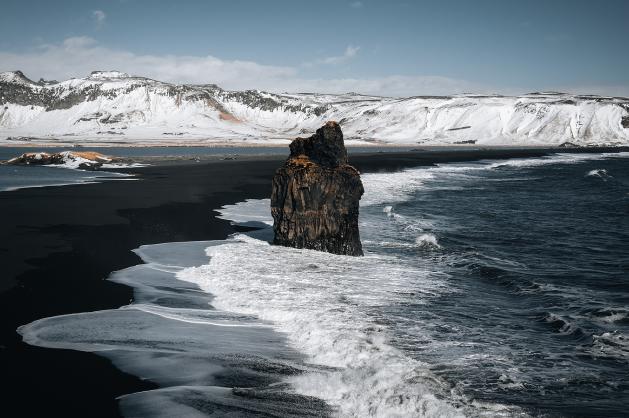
[315, 195]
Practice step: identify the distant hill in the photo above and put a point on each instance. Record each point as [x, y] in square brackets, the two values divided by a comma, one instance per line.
[113, 107]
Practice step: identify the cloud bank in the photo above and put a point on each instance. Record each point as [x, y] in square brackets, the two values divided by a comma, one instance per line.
[78, 56]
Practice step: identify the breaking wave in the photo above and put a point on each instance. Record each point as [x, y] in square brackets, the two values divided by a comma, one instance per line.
[600, 173]
[322, 303]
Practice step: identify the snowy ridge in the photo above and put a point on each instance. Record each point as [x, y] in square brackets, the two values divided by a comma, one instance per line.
[114, 107]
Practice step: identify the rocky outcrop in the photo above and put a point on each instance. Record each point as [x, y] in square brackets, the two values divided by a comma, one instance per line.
[86, 160]
[315, 195]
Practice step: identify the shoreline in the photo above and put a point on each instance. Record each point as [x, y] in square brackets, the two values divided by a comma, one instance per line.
[350, 144]
[58, 259]
[416, 156]
[155, 157]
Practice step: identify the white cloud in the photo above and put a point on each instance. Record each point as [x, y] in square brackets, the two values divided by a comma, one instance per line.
[356, 4]
[78, 56]
[395, 85]
[350, 52]
[99, 18]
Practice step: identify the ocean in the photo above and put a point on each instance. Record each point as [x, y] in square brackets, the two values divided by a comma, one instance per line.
[492, 288]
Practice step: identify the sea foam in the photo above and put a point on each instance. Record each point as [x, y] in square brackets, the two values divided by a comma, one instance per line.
[322, 303]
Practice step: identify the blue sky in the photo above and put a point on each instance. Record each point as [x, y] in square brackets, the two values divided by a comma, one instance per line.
[370, 46]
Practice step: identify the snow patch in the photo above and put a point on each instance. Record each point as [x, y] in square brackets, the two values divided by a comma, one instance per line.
[103, 75]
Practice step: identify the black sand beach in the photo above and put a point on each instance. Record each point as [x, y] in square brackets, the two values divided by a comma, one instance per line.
[59, 244]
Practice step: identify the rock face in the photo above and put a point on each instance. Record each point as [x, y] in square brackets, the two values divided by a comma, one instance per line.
[315, 195]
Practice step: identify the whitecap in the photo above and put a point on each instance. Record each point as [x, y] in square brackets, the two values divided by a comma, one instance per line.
[428, 241]
[613, 344]
[600, 173]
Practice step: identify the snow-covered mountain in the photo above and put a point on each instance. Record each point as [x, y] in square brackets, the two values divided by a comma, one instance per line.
[113, 107]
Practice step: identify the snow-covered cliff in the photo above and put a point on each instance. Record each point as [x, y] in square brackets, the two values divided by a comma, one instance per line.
[113, 107]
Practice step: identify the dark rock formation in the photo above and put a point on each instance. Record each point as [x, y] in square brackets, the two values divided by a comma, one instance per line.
[315, 195]
[85, 160]
[568, 145]
[625, 121]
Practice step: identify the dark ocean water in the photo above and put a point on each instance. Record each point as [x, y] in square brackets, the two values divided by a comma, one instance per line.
[536, 253]
[487, 289]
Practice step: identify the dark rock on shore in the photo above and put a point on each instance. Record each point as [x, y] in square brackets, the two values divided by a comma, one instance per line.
[625, 122]
[568, 145]
[316, 194]
[83, 160]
